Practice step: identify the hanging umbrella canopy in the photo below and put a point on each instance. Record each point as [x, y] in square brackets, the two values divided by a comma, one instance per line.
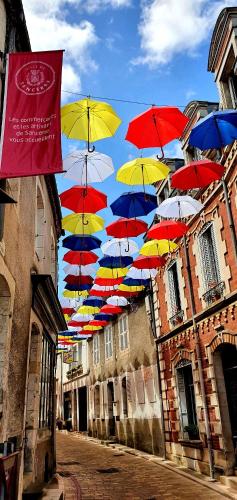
[215, 131]
[83, 223]
[141, 274]
[156, 127]
[78, 323]
[94, 302]
[131, 288]
[84, 167]
[142, 262]
[68, 310]
[104, 288]
[98, 322]
[80, 258]
[78, 280]
[79, 270]
[112, 262]
[103, 317]
[75, 294]
[107, 309]
[134, 204]
[72, 303]
[136, 282]
[81, 199]
[119, 246]
[108, 281]
[158, 247]
[92, 328]
[126, 227]
[89, 120]
[105, 272]
[81, 242]
[117, 301]
[142, 171]
[82, 317]
[78, 287]
[87, 310]
[167, 230]
[101, 293]
[179, 207]
[197, 174]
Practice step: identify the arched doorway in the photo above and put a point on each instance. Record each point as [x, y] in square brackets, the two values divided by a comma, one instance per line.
[225, 363]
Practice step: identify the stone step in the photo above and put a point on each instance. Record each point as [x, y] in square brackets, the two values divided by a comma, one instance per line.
[229, 481]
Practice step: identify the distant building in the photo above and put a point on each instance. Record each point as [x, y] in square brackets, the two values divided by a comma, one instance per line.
[30, 314]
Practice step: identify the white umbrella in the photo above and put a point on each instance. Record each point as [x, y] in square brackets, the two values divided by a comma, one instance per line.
[119, 247]
[82, 317]
[69, 302]
[74, 329]
[117, 301]
[178, 207]
[142, 274]
[79, 270]
[84, 167]
[105, 288]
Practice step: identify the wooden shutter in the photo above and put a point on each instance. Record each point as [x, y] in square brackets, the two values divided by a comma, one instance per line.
[210, 267]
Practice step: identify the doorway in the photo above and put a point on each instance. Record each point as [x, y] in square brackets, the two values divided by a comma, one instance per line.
[82, 404]
[110, 389]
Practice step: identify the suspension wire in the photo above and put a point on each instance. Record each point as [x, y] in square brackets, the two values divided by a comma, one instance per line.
[126, 101]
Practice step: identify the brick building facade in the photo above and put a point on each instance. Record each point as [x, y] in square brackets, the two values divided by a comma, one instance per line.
[196, 325]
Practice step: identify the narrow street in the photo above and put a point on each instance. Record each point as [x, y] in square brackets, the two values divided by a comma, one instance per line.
[82, 465]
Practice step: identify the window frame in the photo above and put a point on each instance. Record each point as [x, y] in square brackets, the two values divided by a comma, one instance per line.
[123, 333]
[190, 400]
[46, 392]
[214, 271]
[175, 305]
[108, 331]
[96, 349]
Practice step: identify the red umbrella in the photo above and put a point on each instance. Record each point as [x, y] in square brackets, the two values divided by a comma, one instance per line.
[123, 228]
[80, 258]
[82, 199]
[77, 323]
[107, 309]
[142, 262]
[97, 322]
[102, 293]
[156, 127]
[78, 280]
[167, 230]
[197, 174]
[68, 310]
[109, 281]
[121, 293]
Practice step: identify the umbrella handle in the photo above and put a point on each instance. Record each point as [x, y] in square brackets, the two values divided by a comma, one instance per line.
[127, 248]
[90, 150]
[162, 154]
[83, 221]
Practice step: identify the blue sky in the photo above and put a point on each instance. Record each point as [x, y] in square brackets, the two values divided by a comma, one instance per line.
[150, 51]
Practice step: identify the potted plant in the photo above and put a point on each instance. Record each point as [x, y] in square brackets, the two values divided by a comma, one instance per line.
[192, 430]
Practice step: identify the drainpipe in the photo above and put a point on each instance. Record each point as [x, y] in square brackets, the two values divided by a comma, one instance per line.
[153, 326]
[199, 361]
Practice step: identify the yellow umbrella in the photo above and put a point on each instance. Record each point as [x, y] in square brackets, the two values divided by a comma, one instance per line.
[158, 247]
[126, 288]
[92, 328]
[75, 294]
[88, 310]
[62, 337]
[83, 223]
[142, 171]
[89, 121]
[106, 272]
[67, 317]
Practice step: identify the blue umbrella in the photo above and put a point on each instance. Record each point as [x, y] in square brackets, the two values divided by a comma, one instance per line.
[216, 130]
[94, 302]
[81, 242]
[78, 288]
[135, 282]
[68, 333]
[103, 317]
[113, 262]
[132, 204]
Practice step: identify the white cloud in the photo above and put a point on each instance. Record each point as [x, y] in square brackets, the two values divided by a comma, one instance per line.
[190, 93]
[172, 27]
[49, 30]
[95, 5]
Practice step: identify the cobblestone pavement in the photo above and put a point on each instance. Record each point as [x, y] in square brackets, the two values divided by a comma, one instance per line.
[82, 464]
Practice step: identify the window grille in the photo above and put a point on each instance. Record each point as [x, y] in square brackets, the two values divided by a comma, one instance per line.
[174, 293]
[96, 349]
[123, 332]
[209, 257]
[47, 382]
[108, 342]
[186, 394]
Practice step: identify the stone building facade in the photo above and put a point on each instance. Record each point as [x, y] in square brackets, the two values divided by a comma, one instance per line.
[196, 324]
[30, 314]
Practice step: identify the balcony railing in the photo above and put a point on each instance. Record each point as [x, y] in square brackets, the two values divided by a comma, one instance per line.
[177, 318]
[214, 293]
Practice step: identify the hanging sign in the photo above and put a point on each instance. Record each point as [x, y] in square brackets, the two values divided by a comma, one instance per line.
[31, 128]
[68, 357]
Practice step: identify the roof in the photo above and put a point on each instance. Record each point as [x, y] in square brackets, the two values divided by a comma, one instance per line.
[218, 35]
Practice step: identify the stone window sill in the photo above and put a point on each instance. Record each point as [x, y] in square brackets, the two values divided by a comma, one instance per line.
[191, 443]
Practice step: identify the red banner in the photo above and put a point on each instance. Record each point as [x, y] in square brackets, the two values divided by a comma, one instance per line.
[31, 128]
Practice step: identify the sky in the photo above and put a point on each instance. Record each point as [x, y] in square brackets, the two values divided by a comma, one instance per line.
[151, 51]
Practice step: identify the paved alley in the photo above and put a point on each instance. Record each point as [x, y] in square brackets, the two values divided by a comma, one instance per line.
[91, 471]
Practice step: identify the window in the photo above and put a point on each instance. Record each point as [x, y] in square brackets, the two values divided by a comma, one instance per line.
[209, 260]
[53, 261]
[108, 332]
[186, 396]
[124, 396]
[123, 332]
[174, 293]
[97, 401]
[96, 349]
[39, 226]
[163, 194]
[47, 382]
